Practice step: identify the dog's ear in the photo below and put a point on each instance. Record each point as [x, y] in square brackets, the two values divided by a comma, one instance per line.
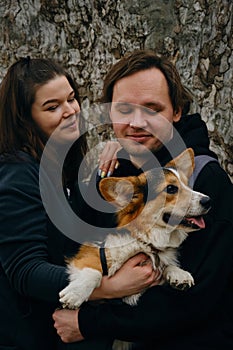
[118, 191]
[184, 162]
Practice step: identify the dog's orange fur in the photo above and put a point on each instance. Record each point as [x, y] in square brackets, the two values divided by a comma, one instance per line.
[87, 256]
[134, 208]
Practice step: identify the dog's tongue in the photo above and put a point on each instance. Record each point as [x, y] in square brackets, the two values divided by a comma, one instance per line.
[198, 220]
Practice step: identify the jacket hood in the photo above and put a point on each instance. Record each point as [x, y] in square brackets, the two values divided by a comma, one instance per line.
[194, 133]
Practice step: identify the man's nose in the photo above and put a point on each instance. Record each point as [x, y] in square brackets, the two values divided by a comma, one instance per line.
[138, 119]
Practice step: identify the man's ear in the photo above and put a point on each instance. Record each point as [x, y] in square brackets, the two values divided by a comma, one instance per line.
[117, 191]
[184, 162]
[177, 115]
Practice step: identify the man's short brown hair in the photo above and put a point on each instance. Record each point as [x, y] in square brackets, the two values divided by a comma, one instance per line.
[145, 59]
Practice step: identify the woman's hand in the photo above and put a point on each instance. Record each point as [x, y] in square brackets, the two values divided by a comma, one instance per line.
[108, 158]
[133, 277]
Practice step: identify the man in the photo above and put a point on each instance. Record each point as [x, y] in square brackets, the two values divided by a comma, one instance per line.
[147, 99]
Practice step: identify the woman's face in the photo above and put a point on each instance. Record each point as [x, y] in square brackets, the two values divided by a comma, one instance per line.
[55, 110]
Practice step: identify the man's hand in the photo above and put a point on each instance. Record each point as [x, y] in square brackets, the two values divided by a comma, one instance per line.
[66, 324]
[135, 275]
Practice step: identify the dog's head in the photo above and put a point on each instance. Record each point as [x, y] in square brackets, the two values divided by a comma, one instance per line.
[158, 198]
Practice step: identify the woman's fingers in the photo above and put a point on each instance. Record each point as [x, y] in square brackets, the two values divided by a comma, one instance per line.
[108, 167]
[108, 158]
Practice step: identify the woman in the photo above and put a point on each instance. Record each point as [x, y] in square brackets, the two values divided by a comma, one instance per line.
[38, 99]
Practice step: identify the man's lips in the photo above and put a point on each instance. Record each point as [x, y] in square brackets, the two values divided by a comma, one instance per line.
[139, 137]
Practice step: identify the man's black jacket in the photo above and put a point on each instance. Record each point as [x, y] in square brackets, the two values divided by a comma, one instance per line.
[165, 319]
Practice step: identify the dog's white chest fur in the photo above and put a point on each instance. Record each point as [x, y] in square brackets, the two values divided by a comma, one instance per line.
[118, 249]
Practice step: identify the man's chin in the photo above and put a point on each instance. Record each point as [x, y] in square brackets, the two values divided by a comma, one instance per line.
[138, 154]
[136, 149]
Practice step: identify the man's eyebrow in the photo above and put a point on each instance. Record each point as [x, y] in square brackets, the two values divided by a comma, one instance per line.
[154, 105]
[55, 99]
[147, 104]
[122, 103]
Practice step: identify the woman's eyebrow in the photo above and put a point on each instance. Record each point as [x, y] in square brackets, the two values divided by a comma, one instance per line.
[49, 101]
[55, 99]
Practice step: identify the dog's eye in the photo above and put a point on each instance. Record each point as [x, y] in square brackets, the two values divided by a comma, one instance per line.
[171, 189]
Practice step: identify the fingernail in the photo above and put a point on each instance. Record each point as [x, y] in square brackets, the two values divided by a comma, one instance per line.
[99, 172]
[109, 173]
[103, 173]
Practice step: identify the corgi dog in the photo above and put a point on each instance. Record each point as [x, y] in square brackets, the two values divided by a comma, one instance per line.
[157, 210]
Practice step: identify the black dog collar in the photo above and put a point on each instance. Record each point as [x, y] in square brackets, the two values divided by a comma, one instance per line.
[103, 261]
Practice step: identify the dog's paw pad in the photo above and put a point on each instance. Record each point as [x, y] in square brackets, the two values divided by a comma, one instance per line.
[70, 303]
[181, 280]
[70, 299]
[182, 286]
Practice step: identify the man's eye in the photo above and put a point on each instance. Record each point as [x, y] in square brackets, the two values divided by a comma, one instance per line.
[125, 111]
[150, 111]
[171, 189]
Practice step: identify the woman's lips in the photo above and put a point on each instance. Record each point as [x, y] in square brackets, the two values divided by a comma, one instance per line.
[72, 125]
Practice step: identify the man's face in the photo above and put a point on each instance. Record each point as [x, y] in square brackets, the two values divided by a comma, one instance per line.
[142, 112]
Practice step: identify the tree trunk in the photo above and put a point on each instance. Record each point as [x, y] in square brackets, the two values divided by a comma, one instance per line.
[88, 36]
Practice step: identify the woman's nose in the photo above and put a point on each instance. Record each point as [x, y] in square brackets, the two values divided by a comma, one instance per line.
[69, 110]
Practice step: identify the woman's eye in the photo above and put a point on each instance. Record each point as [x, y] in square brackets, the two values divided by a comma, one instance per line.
[71, 100]
[171, 189]
[52, 108]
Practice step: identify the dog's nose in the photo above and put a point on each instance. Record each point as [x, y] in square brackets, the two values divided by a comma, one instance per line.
[205, 202]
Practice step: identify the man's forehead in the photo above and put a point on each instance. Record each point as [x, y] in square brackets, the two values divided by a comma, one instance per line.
[149, 84]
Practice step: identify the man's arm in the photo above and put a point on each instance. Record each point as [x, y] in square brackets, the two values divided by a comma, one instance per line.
[129, 280]
[161, 311]
[207, 254]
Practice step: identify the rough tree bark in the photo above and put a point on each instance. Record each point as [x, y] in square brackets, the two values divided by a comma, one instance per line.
[88, 36]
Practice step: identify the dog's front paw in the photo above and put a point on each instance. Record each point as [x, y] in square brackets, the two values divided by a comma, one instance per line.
[82, 284]
[70, 297]
[179, 278]
[132, 299]
[184, 285]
